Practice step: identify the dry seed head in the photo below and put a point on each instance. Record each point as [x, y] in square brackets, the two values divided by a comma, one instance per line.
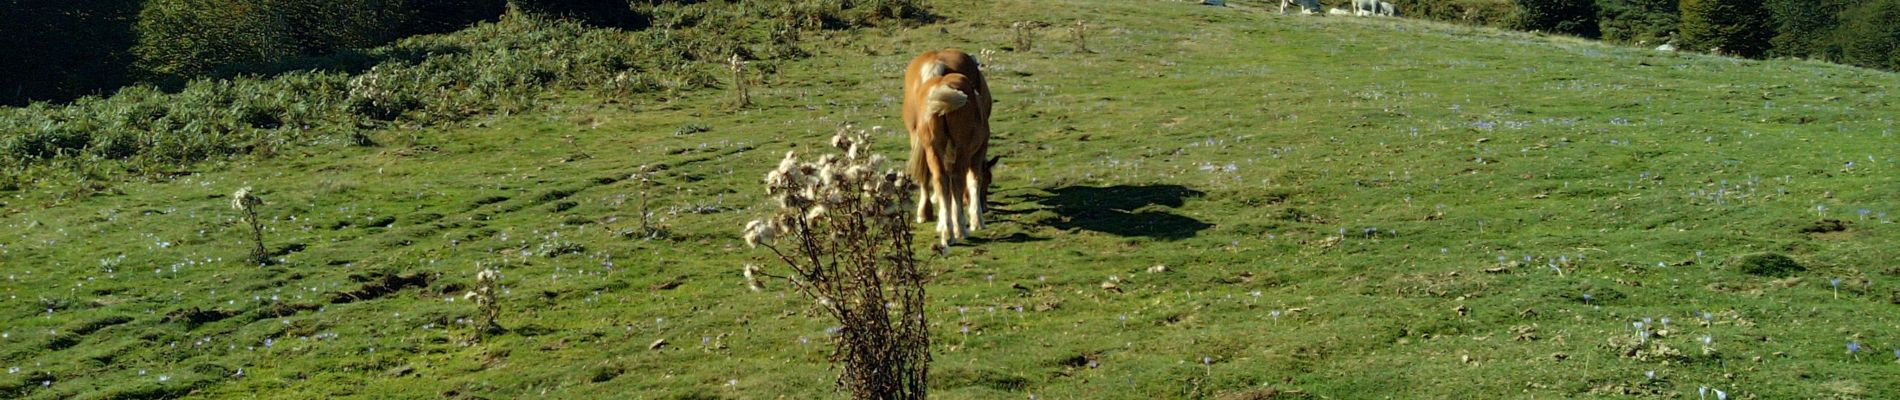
[244, 200]
[828, 176]
[786, 175]
[759, 231]
[841, 141]
[774, 180]
[751, 280]
[791, 200]
[810, 193]
[856, 173]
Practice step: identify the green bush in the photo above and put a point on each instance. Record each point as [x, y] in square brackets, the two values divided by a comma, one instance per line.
[1739, 27]
[1570, 17]
[488, 68]
[182, 38]
[614, 14]
[1767, 264]
[1802, 26]
[1638, 21]
[1869, 34]
[1491, 13]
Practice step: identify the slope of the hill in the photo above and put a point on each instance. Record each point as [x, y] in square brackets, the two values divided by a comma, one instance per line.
[1341, 207]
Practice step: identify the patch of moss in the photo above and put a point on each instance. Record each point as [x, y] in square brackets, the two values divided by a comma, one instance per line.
[1766, 264]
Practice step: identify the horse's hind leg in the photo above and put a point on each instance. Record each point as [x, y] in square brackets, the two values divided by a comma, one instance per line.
[920, 173]
[973, 199]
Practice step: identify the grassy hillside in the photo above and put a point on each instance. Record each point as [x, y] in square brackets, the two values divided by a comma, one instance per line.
[1341, 207]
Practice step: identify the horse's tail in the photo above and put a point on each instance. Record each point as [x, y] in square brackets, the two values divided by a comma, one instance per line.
[945, 96]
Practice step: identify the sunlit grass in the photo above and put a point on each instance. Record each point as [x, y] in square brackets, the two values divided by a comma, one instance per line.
[1341, 207]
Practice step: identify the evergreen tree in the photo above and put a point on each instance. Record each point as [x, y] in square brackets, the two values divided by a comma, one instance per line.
[1570, 17]
[1738, 27]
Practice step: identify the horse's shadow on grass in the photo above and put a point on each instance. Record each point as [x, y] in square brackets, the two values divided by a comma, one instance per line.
[1120, 210]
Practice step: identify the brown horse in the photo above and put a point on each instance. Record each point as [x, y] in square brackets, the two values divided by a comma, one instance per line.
[947, 110]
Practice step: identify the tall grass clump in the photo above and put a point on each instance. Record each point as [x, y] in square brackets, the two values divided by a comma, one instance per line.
[840, 230]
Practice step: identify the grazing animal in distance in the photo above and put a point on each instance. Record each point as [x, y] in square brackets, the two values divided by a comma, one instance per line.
[947, 110]
[1308, 7]
[1365, 7]
[1387, 9]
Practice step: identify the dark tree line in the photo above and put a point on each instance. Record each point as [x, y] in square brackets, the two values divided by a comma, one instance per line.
[1858, 32]
[1864, 33]
[58, 50]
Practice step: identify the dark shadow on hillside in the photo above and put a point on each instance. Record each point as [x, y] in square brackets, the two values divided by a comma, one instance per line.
[1017, 237]
[58, 51]
[61, 50]
[347, 61]
[604, 14]
[1123, 210]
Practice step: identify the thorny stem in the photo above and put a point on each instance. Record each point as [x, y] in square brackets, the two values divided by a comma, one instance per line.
[259, 255]
[646, 185]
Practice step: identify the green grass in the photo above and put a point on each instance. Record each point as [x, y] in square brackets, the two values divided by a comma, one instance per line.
[1232, 146]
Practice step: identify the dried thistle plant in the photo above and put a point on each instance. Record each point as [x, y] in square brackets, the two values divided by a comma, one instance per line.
[1081, 31]
[485, 295]
[646, 188]
[737, 65]
[841, 229]
[1025, 34]
[648, 229]
[247, 203]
